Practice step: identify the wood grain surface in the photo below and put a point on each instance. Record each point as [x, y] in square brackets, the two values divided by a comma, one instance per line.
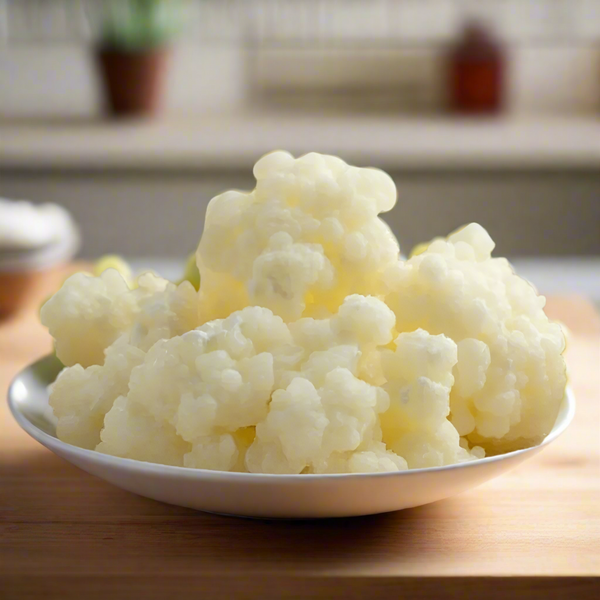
[533, 533]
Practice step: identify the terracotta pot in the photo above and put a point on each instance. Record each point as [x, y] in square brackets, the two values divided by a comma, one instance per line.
[133, 81]
[22, 290]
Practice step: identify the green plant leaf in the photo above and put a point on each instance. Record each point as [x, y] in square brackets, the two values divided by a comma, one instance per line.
[136, 25]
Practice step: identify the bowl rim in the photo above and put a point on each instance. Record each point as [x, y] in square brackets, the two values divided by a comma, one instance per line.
[564, 419]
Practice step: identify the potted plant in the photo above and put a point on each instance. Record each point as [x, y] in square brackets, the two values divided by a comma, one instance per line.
[133, 51]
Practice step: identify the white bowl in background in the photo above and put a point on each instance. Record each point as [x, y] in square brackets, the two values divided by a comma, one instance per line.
[257, 495]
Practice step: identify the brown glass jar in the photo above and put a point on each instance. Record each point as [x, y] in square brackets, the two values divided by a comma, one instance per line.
[476, 73]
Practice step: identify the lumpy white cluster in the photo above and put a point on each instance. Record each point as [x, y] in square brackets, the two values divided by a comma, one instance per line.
[311, 347]
[510, 374]
[303, 240]
[89, 313]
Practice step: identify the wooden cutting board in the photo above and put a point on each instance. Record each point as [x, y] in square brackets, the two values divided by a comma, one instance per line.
[533, 533]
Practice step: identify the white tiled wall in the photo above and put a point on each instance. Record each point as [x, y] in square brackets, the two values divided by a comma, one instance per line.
[323, 20]
[232, 49]
[60, 80]
[560, 79]
[47, 81]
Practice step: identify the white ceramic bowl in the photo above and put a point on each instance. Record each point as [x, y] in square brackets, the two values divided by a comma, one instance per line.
[261, 496]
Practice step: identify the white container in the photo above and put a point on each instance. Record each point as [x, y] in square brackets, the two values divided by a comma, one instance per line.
[35, 240]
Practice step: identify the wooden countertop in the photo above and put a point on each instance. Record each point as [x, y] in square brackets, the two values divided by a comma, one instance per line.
[533, 533]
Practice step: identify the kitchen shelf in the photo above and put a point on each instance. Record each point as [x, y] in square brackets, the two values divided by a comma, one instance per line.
[235, 141]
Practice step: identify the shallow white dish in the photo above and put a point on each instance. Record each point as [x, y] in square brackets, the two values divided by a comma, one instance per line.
[261, 496]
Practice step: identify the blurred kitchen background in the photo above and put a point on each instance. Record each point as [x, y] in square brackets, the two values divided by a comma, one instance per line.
[133, 114]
